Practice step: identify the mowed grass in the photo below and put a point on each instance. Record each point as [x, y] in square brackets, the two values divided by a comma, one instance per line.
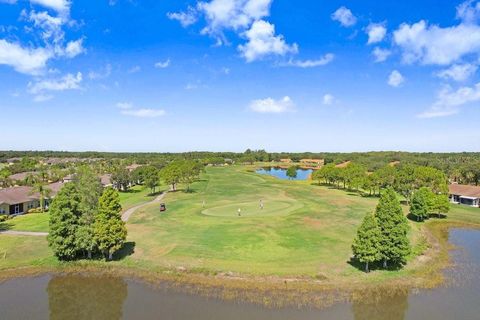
[135, 196]
[36, 222]
[302, 230]
[24, 251]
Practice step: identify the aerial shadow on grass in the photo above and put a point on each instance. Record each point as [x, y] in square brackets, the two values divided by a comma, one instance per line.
[127, 250]
[131, 191]
[373, 266]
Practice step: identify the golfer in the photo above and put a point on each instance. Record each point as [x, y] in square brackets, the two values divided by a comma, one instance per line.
[239, 212]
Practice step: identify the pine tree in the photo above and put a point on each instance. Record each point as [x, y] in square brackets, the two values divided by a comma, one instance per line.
[366, 246]
[110, 230]
[394, 243]
[64, 222]
[422, 203]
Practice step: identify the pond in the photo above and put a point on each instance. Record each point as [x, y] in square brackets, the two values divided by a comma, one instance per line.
[281, 173]
[83, 297]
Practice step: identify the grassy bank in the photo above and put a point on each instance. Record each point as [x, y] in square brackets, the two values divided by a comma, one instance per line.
[302, 237]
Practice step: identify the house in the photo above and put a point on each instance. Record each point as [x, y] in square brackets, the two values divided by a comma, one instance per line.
[313, 162]
[286, 160]
[68, 178]
[132, 167]
[18, 200]
[20, 177]
[106, 180]
[465, 194]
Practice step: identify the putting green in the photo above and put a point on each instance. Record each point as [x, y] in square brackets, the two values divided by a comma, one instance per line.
[252, 209]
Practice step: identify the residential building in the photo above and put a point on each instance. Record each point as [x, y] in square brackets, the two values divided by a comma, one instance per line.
[465, 194]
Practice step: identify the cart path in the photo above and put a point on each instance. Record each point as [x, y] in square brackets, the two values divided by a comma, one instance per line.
[24, 233]
[126, 215]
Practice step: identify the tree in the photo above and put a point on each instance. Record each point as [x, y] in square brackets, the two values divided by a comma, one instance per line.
[64, 222]
[354, 175]
[110, 230]
[441, 204]
[394, 243]
[171, 174]
[189, 172]
[421, 204]
[43, 193]
[366, 246]
[292, 172]
[151, 178]
[89, 190]
[121, 178]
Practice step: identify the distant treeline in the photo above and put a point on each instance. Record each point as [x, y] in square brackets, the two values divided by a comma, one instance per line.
[458, 166]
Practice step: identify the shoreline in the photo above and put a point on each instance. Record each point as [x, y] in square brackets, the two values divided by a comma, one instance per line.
[425, 271]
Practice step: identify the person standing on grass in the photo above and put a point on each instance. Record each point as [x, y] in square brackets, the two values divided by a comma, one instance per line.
[203, 204]
[261, 204]
[239, 212]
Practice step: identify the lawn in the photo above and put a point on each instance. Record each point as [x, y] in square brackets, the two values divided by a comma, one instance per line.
[135, 196]
[303, 230]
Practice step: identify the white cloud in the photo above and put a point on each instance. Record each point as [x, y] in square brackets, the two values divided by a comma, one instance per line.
[103, 73]
[68, 82]
[232, 14]
[458, 72]
[162, 64]
[381, 54]
[431, 44]
[376, 32]
[468, 11]
[129, 110]
[51, 26]
[24, 60]
[61, 6]
[134, 69]
[74, 48]
[42, 97]
[326, 59]
[396, 79]
[344, 16]
[185, 18]
[270, 105]
[449, 101]
[328, 99]
[263, 42]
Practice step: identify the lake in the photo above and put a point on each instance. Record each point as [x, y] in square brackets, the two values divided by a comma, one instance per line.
[85, 297]
[281, 173]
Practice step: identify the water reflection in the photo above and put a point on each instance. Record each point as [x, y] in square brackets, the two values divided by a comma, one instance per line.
[380, 305]
[281, 173]
[80, 297]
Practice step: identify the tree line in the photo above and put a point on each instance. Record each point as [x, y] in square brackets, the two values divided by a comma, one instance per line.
[85, 219]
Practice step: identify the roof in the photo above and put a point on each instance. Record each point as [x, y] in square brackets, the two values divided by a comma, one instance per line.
[16, 195]
[106, 179]
[464, 190]
[23, 194]
[133, 167]
[21, 176]
[313, 160]
[343, 164]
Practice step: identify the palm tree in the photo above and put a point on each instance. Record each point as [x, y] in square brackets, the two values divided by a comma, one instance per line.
[43, 192]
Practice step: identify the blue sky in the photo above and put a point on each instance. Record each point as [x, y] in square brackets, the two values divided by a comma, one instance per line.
[227, 75]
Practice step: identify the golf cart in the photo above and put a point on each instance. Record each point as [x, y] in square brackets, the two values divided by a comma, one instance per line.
[163, 207]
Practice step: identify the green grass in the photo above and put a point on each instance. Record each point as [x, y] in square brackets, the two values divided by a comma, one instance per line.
[135, 196]
[37, 222]
[303, 230]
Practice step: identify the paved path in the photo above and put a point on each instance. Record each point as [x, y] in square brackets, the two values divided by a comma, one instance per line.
[24, 233]
[126, 215]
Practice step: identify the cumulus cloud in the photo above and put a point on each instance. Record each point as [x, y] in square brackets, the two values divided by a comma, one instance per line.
[74, 48]
[449, 101]
[60, 6]
[22, 59]
[458, 72]
[103, 73]
[396, 79]
[270, 105]
[128, 109]
[328, 99]
[434, 45]
[162, 64]
[232, 14]
[326, 59]
[376, 32]
[185, 18]
[344, 16]
[381, 54]
[51, 26]
[468, 11]
[263, 42]
[67, 82]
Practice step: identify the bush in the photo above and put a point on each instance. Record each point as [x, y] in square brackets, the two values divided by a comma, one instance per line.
[34, 210]
[3, 217]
